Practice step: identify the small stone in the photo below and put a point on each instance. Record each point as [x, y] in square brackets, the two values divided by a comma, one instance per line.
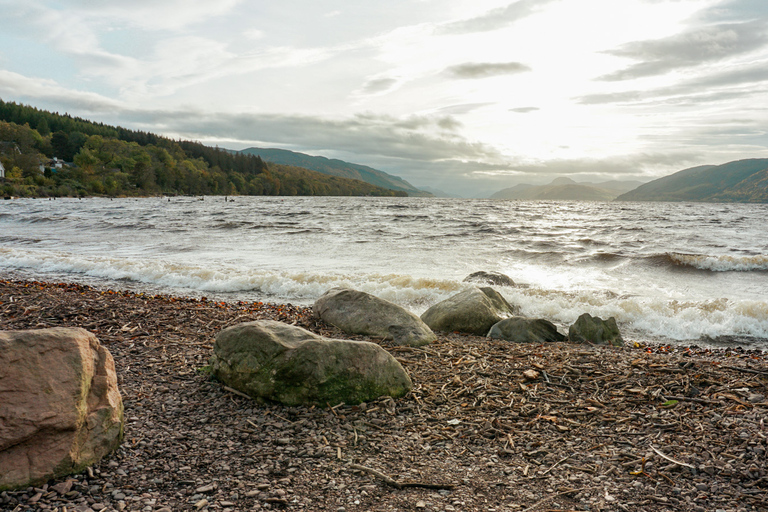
[63, 487]
[421, 504]
[98, 506]
[530, 374]
[702, 487]
[205, 488]
[35, 498]
[201, 504]
[226, 504]
[164, 509]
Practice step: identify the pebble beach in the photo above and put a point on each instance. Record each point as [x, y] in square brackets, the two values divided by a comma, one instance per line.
[489, 425]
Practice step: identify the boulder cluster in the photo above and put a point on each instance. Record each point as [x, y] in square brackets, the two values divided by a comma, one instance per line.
[277, 362]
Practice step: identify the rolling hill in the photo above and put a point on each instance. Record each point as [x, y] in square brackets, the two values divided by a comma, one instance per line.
[741, 181]
[567, 189]
[334, 167]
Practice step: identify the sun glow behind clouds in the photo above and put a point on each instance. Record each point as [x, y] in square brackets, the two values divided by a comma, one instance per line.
[523, 80]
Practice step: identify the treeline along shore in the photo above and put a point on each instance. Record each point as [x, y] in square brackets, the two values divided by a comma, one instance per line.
[489, 424]
[47, 154]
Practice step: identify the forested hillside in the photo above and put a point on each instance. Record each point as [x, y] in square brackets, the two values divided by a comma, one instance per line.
[114, 161]
[743, 181]
[335, 167]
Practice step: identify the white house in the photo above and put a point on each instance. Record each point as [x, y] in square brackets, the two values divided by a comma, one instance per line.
[2, 170]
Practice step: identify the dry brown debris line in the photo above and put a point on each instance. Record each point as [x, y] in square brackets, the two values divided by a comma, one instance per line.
[510, 427]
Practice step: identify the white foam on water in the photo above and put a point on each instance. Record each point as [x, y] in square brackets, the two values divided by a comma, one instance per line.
[654, 318]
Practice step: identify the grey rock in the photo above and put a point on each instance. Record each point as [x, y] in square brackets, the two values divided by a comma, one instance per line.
[525, 330]
[492, 278]
[282, 363]
[595, 330]
[357, 312]
[472, 311]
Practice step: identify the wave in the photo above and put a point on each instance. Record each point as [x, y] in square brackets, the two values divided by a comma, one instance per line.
[722, 263]
[164, 276]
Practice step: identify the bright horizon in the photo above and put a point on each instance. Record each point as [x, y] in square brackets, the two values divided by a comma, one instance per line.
[465, 97]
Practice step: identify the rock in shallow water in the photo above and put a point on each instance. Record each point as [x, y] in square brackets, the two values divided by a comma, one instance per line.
[473, 311]
[282, 363]
[595, 330]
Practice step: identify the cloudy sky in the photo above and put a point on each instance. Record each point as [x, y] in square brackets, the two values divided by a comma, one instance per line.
[465, 96]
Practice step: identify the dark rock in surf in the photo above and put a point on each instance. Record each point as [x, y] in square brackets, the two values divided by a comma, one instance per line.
[473, 311]
[275, 361]
[525, 330]
[494, 278]
[595, 330]
[357, 312]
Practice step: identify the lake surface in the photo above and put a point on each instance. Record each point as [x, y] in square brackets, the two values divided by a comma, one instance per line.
[668, 272]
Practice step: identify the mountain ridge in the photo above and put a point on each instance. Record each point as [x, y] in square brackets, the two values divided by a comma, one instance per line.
[336, 167]
[566, 189]
[743, 181]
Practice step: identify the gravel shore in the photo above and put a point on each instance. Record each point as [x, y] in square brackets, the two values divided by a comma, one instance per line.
[489, 425]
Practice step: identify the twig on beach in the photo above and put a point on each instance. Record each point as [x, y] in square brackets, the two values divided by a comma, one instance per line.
[236, 392]
[670, 459]
[399, 485]
[746, 370]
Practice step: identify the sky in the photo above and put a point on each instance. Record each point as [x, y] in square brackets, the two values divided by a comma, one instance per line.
[468, 97]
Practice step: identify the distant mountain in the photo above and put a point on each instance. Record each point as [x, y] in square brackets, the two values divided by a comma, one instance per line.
[742, 181]
[439, 193]
[334, 167]
[567, 189]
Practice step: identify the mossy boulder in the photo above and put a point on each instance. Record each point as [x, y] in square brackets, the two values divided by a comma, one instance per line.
[595, 330]
[472, 311]
[525, 330]
[282, 363]
[357, 312]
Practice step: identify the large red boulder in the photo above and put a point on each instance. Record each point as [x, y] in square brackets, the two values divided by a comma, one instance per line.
[60, 408]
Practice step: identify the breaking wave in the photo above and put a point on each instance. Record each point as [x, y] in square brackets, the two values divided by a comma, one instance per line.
[723, 263]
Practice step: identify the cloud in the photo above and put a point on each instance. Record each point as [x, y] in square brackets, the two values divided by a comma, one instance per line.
[728, 83]
[415, 138]
[735, 10]
[473, 70]
[153, 14]
[496, 18]
[690, 48]
[14, 86]
[524, 110]
[378, 85]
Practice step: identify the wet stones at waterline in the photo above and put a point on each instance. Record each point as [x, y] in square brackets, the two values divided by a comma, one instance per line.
[356, 312]
[525, 330]
[472, 311]
[595, 330]
[492, 278]
[278, 362]
[61, 410]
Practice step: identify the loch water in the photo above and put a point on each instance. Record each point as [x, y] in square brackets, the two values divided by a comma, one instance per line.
[688, 273]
